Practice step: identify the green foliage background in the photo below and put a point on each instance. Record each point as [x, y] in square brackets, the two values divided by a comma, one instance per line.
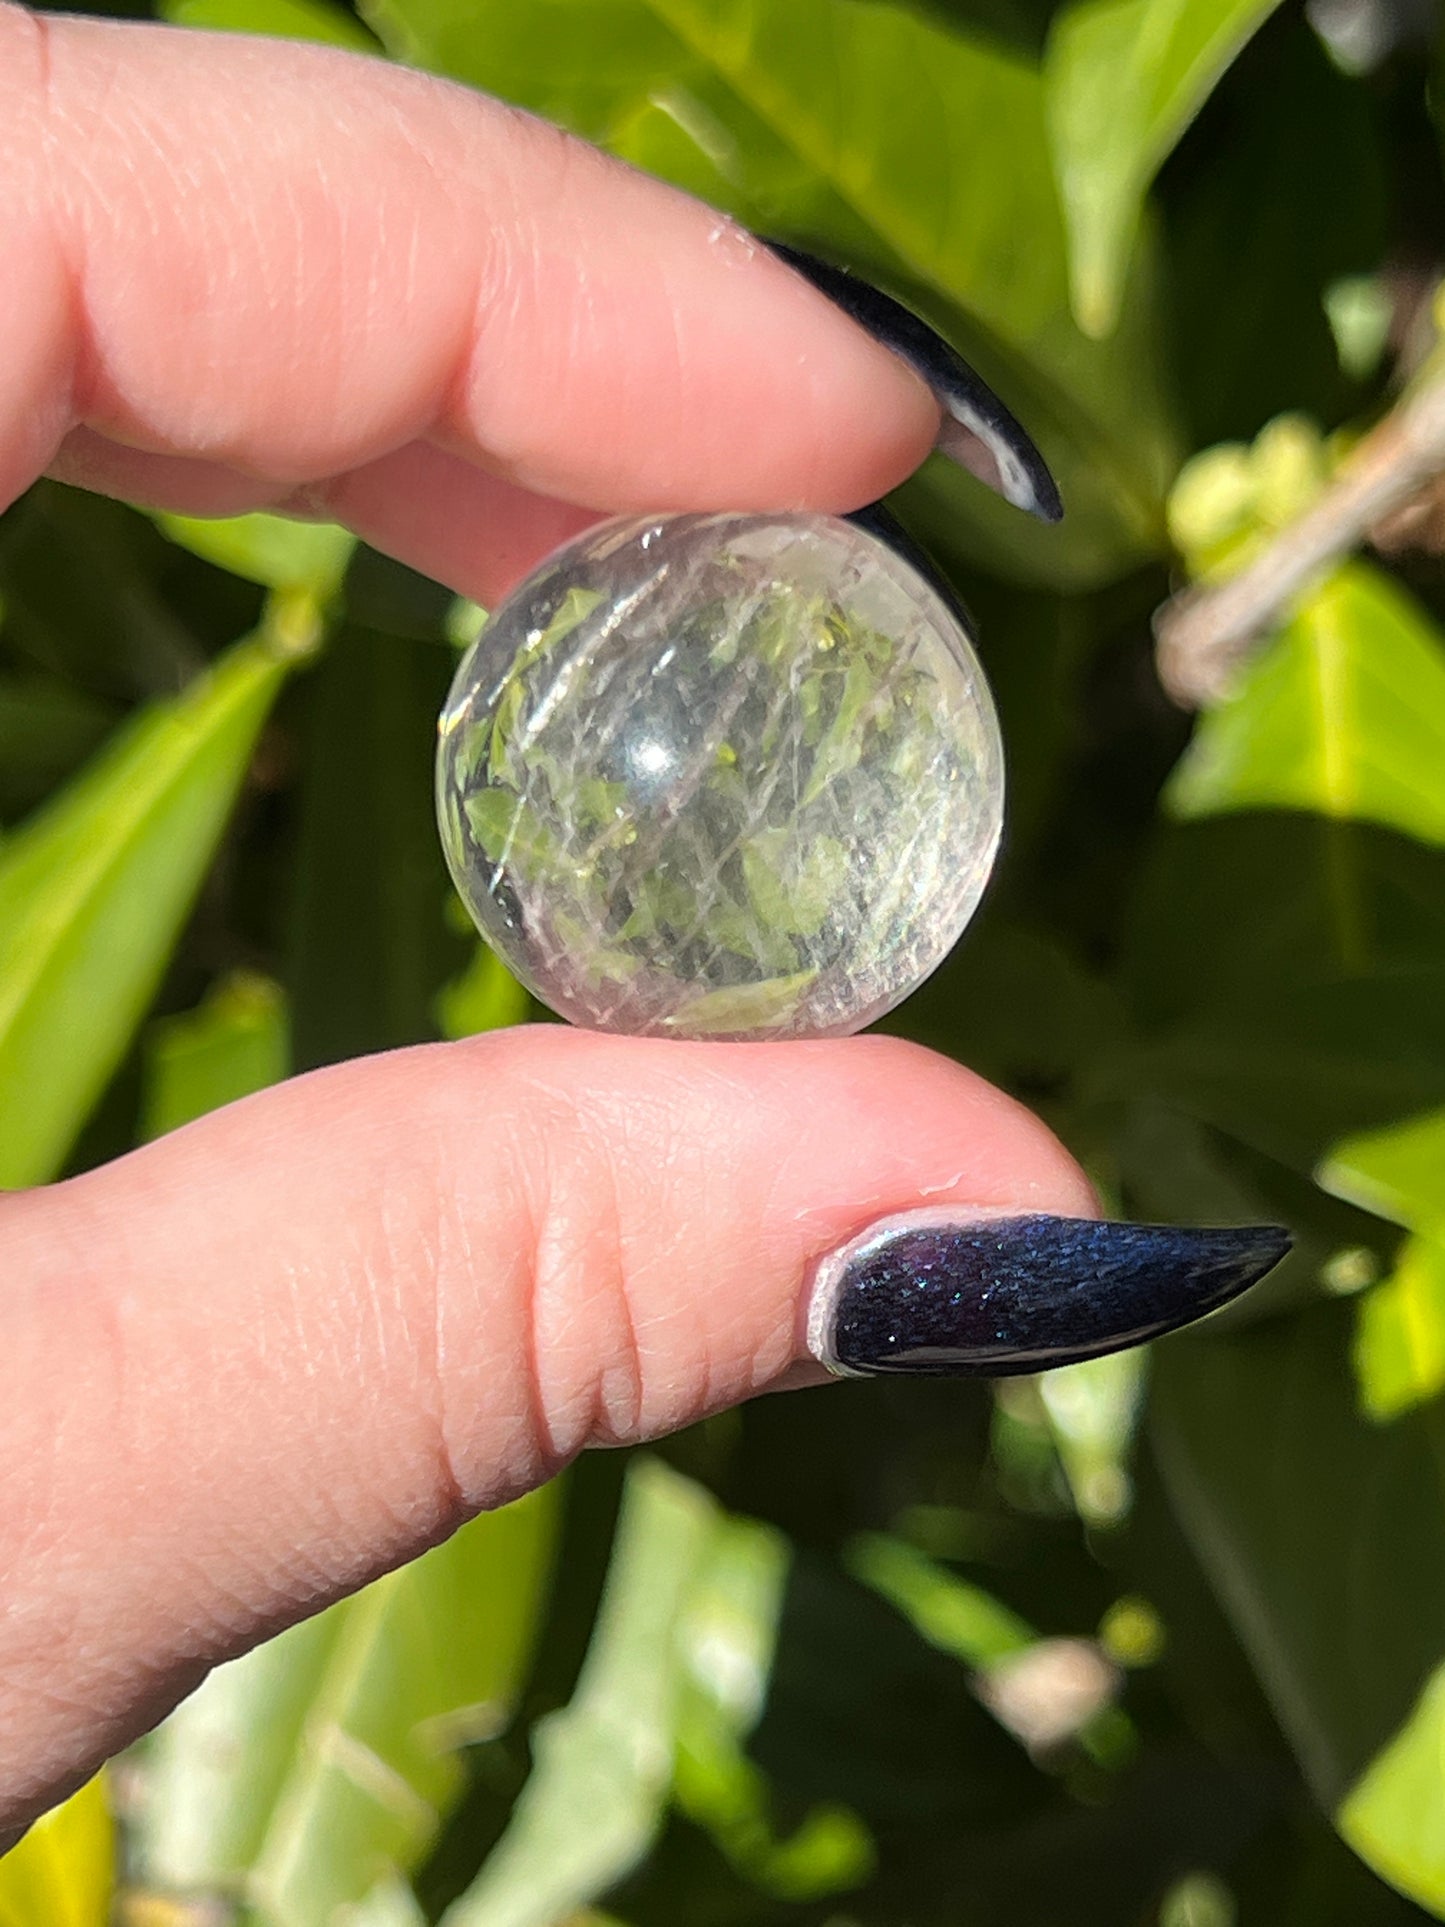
[778, 1670]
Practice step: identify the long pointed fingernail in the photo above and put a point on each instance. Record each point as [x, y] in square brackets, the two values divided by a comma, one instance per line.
[978, 432]
[930, 1294]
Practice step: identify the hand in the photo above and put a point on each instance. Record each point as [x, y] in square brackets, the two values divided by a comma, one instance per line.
[246, 1369]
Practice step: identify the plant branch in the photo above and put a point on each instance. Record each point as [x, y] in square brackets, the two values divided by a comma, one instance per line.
[1203, 635]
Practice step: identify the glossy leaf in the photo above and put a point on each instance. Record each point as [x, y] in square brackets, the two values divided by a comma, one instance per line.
[913, 152]
[1124, 80]
[63, 1872]
[1343, 714]
[604, 1763]
[94, 890]
[1400, 1336]
[324, 1762]
[1325, 1538]
[268, 549]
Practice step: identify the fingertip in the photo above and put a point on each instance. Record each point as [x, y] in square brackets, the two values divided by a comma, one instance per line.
[943, 1132]
[680, 365]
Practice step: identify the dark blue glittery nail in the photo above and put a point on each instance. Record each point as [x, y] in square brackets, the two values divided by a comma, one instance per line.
[926, 1294]
[978, 432]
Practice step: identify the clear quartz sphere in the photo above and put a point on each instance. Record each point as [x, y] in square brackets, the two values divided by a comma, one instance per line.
[722, 776]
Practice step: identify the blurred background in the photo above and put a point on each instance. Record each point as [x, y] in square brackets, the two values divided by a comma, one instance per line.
[1156, 1640]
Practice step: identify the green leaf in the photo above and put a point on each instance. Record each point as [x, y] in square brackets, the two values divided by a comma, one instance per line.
[793, 889]
[94, 890]
[324, 1763]
[391, 1903]
[1360, 315]
[485, 997]
[863, 1711]
[741, 1008]
[1285, 982]
[840, 749]
[368, 944]
[46, 729]
[1394, 1817]
[84, 586]
[1400, 1336]
[1290, 134]
[281, 19]
[604, 1763]
[1344, 714]
[1017, 1007]
[1295, 1066]
[952, 1614]
[1124, 78]
[871, 127]
[726, 1637]
[1324, 1536]
[495, 818]
[570, 613]
[1398, 1174]
[1400, 1339]
[236, 1042]
[915, 153]
[1229, 502]
[1092, 1408]
[63, 1872]
[269, 549]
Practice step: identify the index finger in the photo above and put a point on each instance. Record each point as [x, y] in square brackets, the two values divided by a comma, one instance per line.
[290, 261]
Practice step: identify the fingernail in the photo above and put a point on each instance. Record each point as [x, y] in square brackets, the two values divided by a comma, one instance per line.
[978, 432]
[928, 1294]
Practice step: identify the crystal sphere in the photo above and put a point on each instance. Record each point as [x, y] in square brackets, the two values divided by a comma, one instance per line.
[721, 776]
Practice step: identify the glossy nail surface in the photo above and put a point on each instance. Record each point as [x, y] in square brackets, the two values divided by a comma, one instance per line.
[978, 432]
[927, 1295]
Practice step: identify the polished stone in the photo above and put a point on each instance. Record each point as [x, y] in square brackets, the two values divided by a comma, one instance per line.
[722, 776]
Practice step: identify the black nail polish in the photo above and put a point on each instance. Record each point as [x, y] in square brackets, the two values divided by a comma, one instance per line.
[927, 1295]
[979, 432]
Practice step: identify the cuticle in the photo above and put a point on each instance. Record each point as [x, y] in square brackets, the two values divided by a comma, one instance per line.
[828, 1273]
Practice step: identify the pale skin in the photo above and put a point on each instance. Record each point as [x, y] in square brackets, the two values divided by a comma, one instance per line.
[250, 1367]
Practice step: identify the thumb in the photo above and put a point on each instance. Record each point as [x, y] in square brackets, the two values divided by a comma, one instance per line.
[275, 1354]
